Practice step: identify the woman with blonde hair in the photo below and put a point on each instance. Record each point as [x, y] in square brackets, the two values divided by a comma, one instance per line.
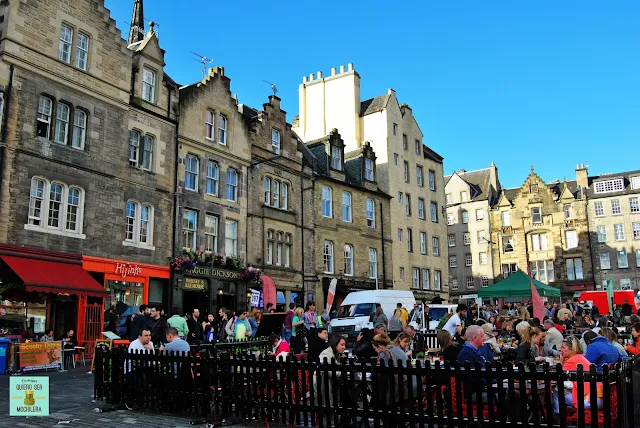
[402, 341]
[571, 354]
[528, 351]
[297, 333]
[396, 323]
[523, 313]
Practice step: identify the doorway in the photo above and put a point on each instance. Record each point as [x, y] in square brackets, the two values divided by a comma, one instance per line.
[226, 301]
[195, 299]
[63, 317]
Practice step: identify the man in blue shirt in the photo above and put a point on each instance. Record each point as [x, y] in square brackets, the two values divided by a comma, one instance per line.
[471, 349]
[599, 350]
[174, 343]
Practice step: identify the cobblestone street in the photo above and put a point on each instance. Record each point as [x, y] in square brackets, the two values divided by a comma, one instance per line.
[72, 405]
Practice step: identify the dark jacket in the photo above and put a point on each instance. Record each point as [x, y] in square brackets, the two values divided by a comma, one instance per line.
[316, 346]
[195, 330]
[471, 354]
[364, 350]
[138, 323]
[526, 353]
[158, 331]
[450, 353]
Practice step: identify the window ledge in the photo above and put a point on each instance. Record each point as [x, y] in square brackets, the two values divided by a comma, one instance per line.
[138, 245]
[54, 231]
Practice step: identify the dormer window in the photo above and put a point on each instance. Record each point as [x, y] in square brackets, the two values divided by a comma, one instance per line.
[148, 85]
[534, 188]
[336, 158]
[368, 170]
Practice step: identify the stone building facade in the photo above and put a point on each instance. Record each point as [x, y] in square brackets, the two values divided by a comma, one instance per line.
[470, 195]
[352, 223]
[542, 228]
[214, 154]
[407, 169]
[280, 233]
[614, 224]
[87, 154]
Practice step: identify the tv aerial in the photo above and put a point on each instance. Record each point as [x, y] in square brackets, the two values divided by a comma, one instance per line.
[204, 61]
[274, 89]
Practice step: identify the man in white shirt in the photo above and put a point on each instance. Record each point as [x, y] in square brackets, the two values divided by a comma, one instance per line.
[143, 342]
[135, 374]
[456, 319]
[554, 337]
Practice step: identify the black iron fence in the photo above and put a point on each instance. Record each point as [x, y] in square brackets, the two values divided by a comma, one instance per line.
[254, 345]
[351, 394]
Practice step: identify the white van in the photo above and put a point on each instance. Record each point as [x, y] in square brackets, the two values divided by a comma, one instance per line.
[436, 313]
[359, 308]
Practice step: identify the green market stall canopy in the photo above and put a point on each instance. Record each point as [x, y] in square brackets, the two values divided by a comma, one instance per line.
[517, 285]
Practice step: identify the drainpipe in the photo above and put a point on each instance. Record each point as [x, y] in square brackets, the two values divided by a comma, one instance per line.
[384, 264]
[176, 209]
[7, 101]
[593, 263]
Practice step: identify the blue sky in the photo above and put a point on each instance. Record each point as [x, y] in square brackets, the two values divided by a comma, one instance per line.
[545, 82]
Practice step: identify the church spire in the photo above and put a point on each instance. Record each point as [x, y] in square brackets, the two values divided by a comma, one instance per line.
[136, 32]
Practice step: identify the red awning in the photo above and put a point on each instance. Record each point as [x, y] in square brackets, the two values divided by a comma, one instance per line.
[54, 276]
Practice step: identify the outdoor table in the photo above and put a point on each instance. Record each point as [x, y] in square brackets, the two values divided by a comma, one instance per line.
[65, 352]
[80, 350]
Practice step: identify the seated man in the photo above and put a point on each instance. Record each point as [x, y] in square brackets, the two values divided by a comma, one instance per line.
[317, 343]
[599, 350]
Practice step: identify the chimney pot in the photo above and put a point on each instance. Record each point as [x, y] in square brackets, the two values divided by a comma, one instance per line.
[319, 75]
[341, 69]
[333, 71]
[311, 77]
[304, 79]
[350, 66]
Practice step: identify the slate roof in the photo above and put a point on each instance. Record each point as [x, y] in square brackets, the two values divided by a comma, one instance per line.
[431, 154]
[352, 165]
[626, 176]
[558, 186]
[478, 180]
[374, 104]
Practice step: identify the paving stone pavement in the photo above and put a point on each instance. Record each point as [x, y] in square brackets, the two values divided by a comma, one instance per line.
[71, 399]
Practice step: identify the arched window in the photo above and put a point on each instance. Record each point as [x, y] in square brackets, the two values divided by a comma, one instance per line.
[55, 207]
[270, 245]
[267, 191]
[191, 166]
[138, 224]
[79, 128]
[134, 147]
[62, 124]
[232, 185]
[147, 153]
[222, 129]
[45, 108]
[208, 124]
[212, 178]
[130, 224]
[287, 250]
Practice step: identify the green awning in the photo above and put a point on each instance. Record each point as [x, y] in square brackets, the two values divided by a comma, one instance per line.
[517, 285]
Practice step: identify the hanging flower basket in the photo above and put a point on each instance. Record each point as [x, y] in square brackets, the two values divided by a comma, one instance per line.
[190, 259]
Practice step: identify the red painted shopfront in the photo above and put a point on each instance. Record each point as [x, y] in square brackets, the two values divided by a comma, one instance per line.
[44, 290]
[128, 285]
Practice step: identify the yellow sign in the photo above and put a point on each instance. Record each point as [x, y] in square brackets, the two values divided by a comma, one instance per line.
[195, 283]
